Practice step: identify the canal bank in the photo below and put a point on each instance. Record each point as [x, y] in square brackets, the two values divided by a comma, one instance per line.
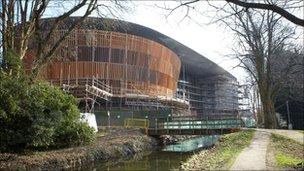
[115, 149]
[113, 144]
[222, 155]
[167, 157]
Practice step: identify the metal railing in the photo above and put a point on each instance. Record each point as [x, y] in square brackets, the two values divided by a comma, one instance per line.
[92, 84]
[196, 123]
[137, 123]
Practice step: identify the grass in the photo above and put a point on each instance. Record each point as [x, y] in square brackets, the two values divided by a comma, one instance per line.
[287, 152]
[222, 155]
[301, 131]
[284, 160]
[101, 133]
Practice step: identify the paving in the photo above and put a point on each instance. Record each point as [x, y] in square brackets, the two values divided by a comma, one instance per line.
[254, 156]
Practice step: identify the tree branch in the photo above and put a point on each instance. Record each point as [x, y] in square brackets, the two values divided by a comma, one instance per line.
[271, 7]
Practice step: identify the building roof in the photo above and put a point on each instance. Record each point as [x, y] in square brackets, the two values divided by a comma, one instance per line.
[194, 62]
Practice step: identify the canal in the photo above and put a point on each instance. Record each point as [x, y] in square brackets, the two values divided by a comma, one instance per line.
[167, 158]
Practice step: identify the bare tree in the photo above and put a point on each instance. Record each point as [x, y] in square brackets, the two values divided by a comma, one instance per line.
[22, 20]
[285, 8]
[261, 36]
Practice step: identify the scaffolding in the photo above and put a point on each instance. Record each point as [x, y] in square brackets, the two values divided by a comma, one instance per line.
[216, 95]
[109, 68]
[92, 90]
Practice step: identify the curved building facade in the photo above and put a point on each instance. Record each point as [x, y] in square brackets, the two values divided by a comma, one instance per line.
[127, 63]
[132, 64]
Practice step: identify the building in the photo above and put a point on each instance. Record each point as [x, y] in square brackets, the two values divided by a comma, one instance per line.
[245, 109]
[121, 66]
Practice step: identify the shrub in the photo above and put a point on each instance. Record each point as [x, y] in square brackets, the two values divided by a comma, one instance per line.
[14, 119]
[32, 114]
[73, 134]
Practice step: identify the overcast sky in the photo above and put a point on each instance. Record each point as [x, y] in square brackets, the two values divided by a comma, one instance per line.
[210, 40]
[213, 41]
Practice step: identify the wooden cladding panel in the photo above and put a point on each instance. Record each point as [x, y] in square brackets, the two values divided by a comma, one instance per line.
[117, 57]
[103, 39]
[118, 40]
[116, 72]
[109, 71]
[95, 45]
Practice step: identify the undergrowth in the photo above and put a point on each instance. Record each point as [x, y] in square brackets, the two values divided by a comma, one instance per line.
[288, 153]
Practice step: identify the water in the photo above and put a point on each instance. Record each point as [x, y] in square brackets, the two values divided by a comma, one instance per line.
[192, 144]
[168, 158]
[158, 160]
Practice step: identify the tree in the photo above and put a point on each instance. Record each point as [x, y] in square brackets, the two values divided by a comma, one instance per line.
[284, 8]
[22, 21]
[261, 37]
[287, 68]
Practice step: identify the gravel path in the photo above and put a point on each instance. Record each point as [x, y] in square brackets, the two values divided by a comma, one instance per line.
[254, 156]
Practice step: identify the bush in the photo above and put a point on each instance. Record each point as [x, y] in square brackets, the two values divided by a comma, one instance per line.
[73, 134]
[38, 115]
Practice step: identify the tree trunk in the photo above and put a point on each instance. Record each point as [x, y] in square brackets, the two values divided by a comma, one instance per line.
[270, 119]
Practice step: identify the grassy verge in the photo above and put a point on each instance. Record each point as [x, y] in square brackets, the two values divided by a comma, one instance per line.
[287, 152]
[301, 131]
[222, 155]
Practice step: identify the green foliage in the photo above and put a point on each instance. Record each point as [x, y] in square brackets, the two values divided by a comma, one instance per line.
[284, 160]
[11, 62]
[223, 154]
[301, 131]
[31, 116]
[73, 134]
[288, 152]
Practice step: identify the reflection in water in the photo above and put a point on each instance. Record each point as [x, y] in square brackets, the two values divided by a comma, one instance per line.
[158, 160]
[193, 144]
[169, 158]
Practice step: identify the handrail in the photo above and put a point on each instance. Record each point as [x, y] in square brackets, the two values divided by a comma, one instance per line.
[118, 92]
[137, 123]
[199, 124]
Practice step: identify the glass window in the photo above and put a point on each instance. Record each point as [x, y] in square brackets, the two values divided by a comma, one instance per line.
[132, 58]
[101, 54]
[84, 53]
[117, 55]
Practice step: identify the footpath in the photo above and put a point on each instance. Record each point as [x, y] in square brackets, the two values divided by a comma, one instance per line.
[254, 156]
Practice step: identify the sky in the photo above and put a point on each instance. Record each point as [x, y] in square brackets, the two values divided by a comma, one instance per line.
[210, 40]
[214, 41]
